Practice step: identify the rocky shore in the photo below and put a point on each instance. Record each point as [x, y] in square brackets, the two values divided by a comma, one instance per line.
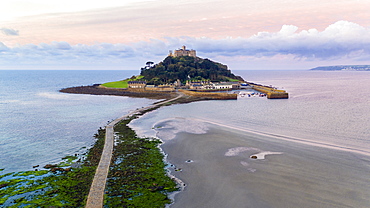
[97, 90]
[189, 96]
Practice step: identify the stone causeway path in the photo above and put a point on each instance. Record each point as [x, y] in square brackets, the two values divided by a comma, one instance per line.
[95, 198]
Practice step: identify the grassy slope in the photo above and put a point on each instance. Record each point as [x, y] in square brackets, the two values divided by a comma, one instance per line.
[121, 84]
[117, 84]
[124, 83]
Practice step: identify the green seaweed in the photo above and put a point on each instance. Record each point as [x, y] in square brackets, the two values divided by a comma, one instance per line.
[70, 158]
[30, 173]
[137, 177]
[48, 188]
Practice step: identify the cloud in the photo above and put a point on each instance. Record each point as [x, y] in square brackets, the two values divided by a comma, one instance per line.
[337, 40]
[340, 41]
[9, 32]
[3, 47]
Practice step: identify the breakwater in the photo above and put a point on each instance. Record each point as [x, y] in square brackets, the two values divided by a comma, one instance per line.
[210, 95]
[270, 92]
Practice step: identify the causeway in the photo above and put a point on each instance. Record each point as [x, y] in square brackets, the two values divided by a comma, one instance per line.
[95, 198]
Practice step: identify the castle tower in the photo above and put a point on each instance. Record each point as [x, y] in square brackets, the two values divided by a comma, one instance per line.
[183, 52]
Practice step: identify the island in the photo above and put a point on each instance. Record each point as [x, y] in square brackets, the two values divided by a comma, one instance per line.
[343, 68]
[122, 169]
[182, 71]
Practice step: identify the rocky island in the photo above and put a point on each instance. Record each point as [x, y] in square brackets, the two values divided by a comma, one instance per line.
[182, 70]
[122, 169]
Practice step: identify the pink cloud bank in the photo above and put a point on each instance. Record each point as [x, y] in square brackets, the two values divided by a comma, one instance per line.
[289, 47]
[290, 34]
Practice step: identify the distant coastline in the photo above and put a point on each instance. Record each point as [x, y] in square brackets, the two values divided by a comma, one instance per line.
[343, 68]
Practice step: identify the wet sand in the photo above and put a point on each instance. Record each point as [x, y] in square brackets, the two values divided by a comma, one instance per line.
[218, 171]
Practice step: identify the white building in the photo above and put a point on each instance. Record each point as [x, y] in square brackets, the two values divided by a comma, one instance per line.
[222, 86]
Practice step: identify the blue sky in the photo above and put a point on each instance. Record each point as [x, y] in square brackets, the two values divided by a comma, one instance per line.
[243, 34]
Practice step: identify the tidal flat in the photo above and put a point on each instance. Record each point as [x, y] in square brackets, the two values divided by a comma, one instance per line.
[218, 170]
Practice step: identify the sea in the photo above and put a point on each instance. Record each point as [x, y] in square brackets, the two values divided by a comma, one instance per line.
[40, 125]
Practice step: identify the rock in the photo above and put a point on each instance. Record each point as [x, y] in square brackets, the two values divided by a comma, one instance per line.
[48, 166]
[76, 165]
[156, 188]
[253, 157]
[55, 169]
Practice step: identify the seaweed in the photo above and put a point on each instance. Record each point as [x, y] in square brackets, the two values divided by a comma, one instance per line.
[137, 176]
[63, 187]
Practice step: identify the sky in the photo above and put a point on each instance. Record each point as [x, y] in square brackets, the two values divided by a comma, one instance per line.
[125, 34]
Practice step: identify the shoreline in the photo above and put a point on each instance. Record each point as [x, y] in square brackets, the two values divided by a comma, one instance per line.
[191, 96]
[61, 173]
[69, 172]
[222, 172]
[96, 90]
[98, 188]
[294, 139]
[247, 161]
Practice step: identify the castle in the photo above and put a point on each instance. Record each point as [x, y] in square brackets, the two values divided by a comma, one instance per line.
[183, 52]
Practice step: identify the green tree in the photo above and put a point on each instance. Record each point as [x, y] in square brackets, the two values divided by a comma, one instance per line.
[173, 68]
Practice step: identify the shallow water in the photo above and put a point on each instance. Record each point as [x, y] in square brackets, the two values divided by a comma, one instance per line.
[324, 108]
[312, 149]
[328, 110]
[39, 125]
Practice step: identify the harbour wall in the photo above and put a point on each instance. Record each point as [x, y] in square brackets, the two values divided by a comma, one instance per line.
[211, 95]
[270, 92]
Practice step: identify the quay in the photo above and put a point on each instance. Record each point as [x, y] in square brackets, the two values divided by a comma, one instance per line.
[209, 95]
[270, 92]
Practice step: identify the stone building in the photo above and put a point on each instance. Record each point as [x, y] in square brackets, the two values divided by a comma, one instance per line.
[136, 84]
[161, 88]
[183, 52]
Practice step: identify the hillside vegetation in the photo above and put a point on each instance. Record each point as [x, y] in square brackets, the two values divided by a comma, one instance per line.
[122, 83]
[173, 68]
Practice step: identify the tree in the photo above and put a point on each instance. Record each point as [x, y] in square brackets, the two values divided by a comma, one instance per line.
[173, 68]
[149, 64]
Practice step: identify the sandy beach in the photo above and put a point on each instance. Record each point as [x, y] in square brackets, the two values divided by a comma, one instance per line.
[215, 164]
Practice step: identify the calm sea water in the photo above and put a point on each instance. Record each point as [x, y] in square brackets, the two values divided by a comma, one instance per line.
[325, 108]
[39, 125]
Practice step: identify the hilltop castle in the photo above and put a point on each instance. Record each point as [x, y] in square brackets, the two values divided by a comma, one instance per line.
[183, 52]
